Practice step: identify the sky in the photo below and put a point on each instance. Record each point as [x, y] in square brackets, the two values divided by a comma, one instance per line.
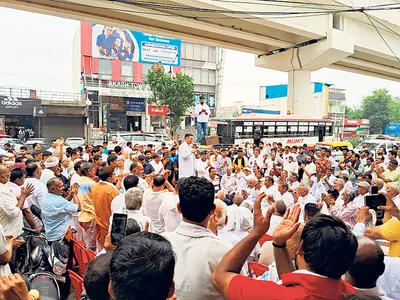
[37, 54]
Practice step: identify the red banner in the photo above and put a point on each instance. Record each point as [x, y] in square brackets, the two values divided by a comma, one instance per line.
[158, 110]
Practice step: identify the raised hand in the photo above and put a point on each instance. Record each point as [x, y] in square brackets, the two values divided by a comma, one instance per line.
[74, 189]
[261, 223]
[363, 215]
[27, 190]
[390, 207]
[288, 226]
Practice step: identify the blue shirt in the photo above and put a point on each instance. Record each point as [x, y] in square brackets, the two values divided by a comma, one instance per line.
[57, 216]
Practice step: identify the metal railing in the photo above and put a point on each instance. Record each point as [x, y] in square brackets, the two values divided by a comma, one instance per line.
[39, 94]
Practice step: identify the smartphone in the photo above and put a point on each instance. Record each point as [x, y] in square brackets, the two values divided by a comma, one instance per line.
[374, 190]
[373, 201]
[118, 228]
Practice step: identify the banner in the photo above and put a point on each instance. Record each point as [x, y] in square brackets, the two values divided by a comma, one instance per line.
[127, 45]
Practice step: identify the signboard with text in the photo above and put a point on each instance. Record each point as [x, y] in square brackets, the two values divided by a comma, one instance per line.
[135, 105]
[158, 110]
[128, 45]
[20, 106]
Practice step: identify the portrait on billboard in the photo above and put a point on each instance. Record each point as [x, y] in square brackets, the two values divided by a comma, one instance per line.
[114, 43]
[127, 45]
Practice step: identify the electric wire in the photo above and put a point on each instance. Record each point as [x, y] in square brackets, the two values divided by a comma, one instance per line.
[383, 39]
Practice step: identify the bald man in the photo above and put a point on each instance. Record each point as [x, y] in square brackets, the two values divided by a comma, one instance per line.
[221, 213]
[367, 267]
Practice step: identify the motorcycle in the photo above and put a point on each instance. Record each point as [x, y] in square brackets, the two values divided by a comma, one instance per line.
[44, 263]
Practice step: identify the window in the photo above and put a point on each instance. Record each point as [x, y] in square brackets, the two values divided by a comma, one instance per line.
[197, 52]
[188, 71]
[127, 70]
[197, 76]
[105, 69]
[145, 69]
[204, 77]
[212, 54]
[189, 51]
[204, 53]
[211, 77]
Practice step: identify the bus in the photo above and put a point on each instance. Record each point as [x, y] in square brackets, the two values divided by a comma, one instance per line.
[288, 130]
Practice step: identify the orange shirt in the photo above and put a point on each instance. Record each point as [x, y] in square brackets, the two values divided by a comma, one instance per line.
[102, 195]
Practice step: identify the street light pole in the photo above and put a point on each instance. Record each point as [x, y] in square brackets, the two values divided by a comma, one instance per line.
[170, 67]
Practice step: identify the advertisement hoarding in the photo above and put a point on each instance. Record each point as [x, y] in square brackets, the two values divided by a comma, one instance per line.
[128, 45]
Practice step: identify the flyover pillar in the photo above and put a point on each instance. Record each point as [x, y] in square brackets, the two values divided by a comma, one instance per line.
[299, 85]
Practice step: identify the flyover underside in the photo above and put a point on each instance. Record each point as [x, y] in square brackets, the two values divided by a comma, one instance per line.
[244, 32]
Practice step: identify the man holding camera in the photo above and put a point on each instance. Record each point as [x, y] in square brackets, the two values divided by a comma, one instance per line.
[202, 112]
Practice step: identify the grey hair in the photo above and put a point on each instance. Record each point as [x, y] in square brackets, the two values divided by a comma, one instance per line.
[341, 182]
[380, 182]
[86, 167]
[133, 198]
[295, 175]
[395, 186]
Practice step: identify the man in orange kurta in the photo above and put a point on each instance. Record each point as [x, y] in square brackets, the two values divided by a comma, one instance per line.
[102, 194]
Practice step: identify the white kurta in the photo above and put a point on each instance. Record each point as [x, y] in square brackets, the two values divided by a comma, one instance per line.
[186, 160]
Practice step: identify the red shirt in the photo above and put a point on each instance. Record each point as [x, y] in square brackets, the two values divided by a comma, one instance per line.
[294, 286]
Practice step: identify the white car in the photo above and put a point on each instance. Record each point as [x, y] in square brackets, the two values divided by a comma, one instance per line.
[15, 143]
[75, 142]
[373, 145]
[162, 137]
[136, 138]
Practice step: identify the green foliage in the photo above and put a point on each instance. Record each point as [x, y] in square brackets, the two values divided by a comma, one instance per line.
[394, 110]
[353, 113]
[176, 93]
[376, 108]
[380, 108]
[355, 141]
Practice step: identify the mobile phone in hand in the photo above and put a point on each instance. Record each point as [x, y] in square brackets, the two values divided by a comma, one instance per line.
[118, 228]
[373, 201]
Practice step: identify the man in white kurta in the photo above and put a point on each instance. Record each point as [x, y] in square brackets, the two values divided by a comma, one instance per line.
[186, 157]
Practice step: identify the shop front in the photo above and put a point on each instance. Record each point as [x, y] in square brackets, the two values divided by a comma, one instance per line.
[21, 116]
[127, 104]
[135, 114]
[158, 117]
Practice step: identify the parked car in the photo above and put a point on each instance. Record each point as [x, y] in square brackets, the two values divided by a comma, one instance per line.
[15, 143]
[373, 145]
[162, 137]
[75, 142]
[45, 143]
[120, 139]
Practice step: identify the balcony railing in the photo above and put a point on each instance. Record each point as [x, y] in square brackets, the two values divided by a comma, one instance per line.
[39, 94]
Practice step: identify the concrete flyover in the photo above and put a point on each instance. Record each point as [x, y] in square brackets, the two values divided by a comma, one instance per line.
[297, 36]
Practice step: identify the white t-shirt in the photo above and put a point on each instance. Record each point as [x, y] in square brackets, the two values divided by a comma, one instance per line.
[158, 167]
[203, 118]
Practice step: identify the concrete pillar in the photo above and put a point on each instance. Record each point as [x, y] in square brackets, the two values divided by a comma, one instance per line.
[299, 85]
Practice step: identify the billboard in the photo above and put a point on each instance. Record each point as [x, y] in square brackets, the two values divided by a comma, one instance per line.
[127, 45]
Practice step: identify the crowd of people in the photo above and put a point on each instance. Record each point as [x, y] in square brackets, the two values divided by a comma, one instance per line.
[197, 216]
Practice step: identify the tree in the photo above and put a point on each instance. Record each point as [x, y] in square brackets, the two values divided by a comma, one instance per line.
[353, 113]
[394, 110]
[376, 108]
[175, 92]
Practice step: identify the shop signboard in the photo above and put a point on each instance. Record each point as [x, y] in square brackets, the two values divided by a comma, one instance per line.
[127, 45]
[20, 106]
[135, 105]
[158, 110]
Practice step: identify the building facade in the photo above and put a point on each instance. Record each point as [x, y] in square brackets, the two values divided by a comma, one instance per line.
[116, 93]
[27, 112]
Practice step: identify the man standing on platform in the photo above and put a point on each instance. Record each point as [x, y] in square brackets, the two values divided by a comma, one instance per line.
[202, 113]
[186, 157]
